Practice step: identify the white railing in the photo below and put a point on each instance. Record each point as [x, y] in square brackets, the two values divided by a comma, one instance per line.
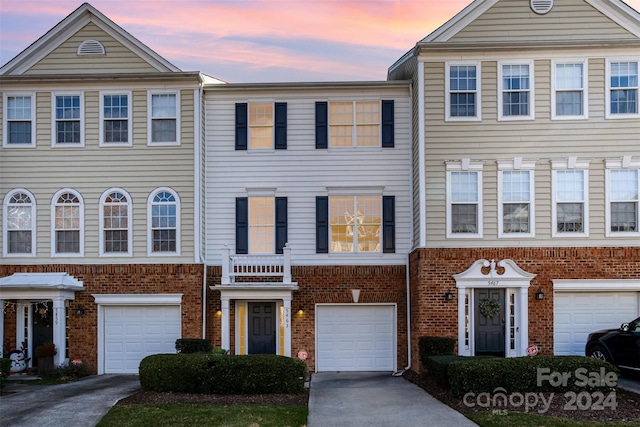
[235, 266]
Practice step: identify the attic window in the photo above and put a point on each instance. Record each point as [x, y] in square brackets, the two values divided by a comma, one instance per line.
[541, 6]
[91, 47]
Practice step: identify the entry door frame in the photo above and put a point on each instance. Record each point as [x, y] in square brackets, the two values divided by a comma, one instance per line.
[516, 282]
[282, 325]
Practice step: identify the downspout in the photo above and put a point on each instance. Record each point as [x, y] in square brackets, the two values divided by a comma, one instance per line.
[199, 203]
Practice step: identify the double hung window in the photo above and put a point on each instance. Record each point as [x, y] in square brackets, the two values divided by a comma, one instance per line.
[164, 118]
[569, 90]
[464, 199]
[164, 219]
[516, 84]
[68, 119]
[354, 124]
[355, 223]
[463, 91]
[19, 125]
[623, 87]
[570, 190]
[68, 223]
[115, 119]
[515, 202]
[19, 225]
[115, 219]
[623, 199]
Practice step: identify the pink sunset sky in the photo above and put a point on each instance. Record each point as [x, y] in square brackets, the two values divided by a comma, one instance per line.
[254, 40]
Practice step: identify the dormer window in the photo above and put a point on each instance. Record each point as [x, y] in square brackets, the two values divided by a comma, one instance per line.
[541, 6]
[91, 47]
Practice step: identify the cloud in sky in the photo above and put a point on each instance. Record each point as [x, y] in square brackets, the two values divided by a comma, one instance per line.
[254, 40]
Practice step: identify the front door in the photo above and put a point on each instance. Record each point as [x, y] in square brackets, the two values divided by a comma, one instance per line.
[489, 322]
[42, 327]
[262, 328]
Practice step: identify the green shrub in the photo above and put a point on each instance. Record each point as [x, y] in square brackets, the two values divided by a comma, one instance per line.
[435, 346]
[193, 345]
[5, 369]
[520, 374]
[222, 374]
[438, 366]
[71, 372]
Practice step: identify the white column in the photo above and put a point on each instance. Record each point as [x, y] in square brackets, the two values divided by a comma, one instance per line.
[287, 327]
[523, 320]
[59, 330]
[1, 328]
[224, 323]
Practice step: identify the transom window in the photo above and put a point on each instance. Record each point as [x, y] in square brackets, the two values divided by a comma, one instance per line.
[464, 203]
[623, 89]
[68, 119]
[164, 118]
[355, 223]
[115, 220]
[463, 100]
[164, 211]
[515, 85]
[115, 119]
[68, 213]
[261, 224]
[624, 186]
[19, 224]
[515, 202]
[261, 125]
[570, 202]
[569, 86]
[19, 120]
[354, 124]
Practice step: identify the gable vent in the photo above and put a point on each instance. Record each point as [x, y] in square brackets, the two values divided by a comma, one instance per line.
[541, 6]
[91, 47]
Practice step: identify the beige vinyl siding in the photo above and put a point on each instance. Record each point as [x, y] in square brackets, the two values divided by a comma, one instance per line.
[541, 140]
[568, 20]
[91, 170]
[65, 60]
[301, 172]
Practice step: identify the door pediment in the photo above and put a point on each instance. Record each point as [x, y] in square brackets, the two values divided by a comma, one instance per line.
[484, 274]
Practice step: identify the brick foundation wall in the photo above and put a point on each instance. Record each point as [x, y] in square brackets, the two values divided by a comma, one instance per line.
[431, 273]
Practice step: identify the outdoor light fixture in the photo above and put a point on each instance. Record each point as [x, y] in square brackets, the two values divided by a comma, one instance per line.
[448, 296]
[539, 294]
[80, 311]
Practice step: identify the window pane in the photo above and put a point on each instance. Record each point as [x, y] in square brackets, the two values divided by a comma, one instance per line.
[261, 224]
[18, 108]
[624, 74]
[116, 106]
[515, 103]
[163, 130]
[624, 216]
[569, 76]
[19, 132]
[464, 218]
[67, 107]
[624, 185]
[163, 105]
[569, 103]
[116, 131]
[464, 187]
[515, 218]
[570, 217]
[515, 186]
[624, 101]
[164, 222]
[463, 104]
[19, 242]
[68, 132]
[67, 241]
[515, 77]
[368, 220]
[18, 217]
[570, 185]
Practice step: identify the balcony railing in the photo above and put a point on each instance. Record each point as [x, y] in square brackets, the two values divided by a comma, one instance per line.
[242, 268]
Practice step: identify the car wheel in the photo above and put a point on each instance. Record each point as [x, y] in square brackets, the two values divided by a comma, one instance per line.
[598, 352]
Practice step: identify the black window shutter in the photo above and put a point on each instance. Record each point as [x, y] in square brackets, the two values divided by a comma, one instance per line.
[242, 225]
[388, 224]
[281, 223]
[241, 126]
[322, 125]
[322, 224]
[387, 124]
[281, 126]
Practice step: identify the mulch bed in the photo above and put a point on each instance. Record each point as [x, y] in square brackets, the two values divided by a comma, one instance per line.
[628, 403]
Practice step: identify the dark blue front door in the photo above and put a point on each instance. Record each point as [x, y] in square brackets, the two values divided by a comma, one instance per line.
[262, 328]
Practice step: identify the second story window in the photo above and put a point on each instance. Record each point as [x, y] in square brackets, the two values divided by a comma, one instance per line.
[463, 94]
[164, 220]
[570, 202]
[115, 220]
[515, 207]
[116, 116]
[19, 125]
[569, 91]
[623, 198]
[623, 88]
[464, 205]
[354, 124]
[19, 226]
[164, 118]
[355, 223]
[260, 125]
[68, 120]
[68, 212]
[515, 87]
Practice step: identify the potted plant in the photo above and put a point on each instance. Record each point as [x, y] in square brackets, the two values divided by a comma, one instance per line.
[44, 354]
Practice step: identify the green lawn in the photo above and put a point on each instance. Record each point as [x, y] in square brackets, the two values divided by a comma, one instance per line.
[518, 419]
[202, 415]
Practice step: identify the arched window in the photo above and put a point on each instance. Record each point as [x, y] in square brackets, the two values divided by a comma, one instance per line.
[67, 223]
[164, 222]
[19, 223]
[115, 223]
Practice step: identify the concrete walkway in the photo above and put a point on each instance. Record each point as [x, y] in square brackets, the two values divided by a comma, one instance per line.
[81, 403]
[375, 399]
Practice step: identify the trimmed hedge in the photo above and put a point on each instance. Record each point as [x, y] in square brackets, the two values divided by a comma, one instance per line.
[5, 369]
[208, 373]
[193, 345]
[438, 366]
[520, 374]
[435, 346]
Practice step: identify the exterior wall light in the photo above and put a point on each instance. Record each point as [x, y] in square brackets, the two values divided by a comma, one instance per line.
[539, 294]
[80, 311]
[448, 296]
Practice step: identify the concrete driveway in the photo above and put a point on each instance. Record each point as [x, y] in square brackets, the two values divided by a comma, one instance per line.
[375, 399]
[78, 404]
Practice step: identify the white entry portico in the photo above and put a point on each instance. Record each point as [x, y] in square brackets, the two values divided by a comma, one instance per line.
[505, 274]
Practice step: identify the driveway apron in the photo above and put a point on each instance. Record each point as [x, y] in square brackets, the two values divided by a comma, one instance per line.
[375, 399]
[81, 403]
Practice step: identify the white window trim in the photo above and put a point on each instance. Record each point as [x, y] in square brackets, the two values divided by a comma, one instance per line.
[5, 120]
[531, 115]
[569, 164]
[273, 124]
[129, 121]
[150, 251]
[517, 164]
[129, 224]
[356, 192]
[354, 129]
[54, 133]
[5, 230]
[626, 163]
[465, 165]
[54, 201]
[608, 114]
[478, 92]
[585, 89]
[273, 224]
[150, 117]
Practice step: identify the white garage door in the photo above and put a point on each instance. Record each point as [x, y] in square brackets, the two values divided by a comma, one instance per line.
[576, 314]
[355, 337]
[133, 332]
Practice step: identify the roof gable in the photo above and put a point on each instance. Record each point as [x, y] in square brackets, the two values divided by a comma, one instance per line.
[69, 34]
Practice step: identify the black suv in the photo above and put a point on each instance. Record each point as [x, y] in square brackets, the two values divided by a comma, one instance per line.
[620, 347]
